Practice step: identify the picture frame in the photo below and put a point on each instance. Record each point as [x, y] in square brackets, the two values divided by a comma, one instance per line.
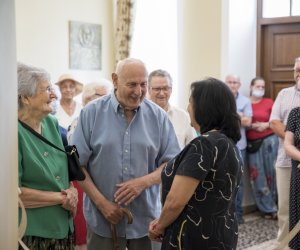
[85, 46]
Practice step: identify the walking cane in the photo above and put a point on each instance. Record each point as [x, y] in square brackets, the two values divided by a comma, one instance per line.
[114, 231]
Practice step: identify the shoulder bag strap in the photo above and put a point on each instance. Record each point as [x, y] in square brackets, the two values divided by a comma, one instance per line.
[40, 136]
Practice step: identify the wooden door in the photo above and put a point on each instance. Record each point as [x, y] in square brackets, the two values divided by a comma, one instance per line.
[279, 48]
[278, 44]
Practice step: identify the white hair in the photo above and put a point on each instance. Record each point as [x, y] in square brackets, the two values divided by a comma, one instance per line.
[90, 88]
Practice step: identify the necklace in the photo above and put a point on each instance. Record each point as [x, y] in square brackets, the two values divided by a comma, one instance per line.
[214, 130]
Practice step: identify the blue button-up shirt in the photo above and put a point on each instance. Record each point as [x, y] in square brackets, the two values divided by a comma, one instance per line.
[243, 105]
[115, 151]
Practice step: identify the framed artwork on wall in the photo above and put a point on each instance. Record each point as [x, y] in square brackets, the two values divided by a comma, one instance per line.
[85, 45]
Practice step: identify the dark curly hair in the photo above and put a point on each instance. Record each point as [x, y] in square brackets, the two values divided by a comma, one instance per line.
[215, 108]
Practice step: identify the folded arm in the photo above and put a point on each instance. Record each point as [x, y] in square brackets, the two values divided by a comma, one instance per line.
[33, 198]
[245, 120]
[278, 128]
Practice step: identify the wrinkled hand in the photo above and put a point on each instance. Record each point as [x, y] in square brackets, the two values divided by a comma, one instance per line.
[112, 212]
[259, 126]
[241, 114]
[70, 200]
[154, 233]
[129, 190]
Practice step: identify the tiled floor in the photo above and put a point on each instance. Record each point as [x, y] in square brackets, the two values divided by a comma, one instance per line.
[257, 233]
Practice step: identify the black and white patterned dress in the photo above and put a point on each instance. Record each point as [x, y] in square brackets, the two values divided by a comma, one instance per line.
[208, 221]
[293, 125]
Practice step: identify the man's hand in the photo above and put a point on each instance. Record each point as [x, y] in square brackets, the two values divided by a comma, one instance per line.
[112, 212]
[129, 190]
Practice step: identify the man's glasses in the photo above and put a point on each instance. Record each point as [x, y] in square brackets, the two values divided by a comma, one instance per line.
[163, 89]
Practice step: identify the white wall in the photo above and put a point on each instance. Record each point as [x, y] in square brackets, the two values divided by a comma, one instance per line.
[43, 34]
[8, 128]
[216, 38]
[239, 40]
[239, 54]
[199, 43]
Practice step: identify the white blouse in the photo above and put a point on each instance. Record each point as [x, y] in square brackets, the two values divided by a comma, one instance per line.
[64, 120]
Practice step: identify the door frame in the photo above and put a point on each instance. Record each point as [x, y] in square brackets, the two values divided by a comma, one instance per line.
[261, 22]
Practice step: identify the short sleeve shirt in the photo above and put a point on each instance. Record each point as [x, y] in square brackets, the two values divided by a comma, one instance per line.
[64, 119]
[182, 125]
[286, 100]
[243, 105]
[293, 125]
[261, 113]
[208, 220]
[116, 151]
[43, 167]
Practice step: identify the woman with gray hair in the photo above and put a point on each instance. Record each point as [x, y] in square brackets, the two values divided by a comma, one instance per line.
[48, 196]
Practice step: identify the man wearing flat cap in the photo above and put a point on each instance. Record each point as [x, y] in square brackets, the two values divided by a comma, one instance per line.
[68, 109]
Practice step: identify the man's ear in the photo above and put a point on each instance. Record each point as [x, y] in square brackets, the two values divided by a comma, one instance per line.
[114, 78]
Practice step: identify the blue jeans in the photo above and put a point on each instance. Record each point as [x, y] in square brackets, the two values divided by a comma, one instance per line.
[240, 194]
[263, 176]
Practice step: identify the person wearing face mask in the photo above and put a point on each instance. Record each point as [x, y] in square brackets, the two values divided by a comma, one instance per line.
[244, 109]
[262, 145]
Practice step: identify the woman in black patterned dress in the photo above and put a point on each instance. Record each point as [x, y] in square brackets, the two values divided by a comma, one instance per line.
[292, 148]
[200, 184]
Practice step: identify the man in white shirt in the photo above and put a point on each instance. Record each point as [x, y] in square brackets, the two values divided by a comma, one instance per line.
[160, 90]
[244, 109]
[286, 100]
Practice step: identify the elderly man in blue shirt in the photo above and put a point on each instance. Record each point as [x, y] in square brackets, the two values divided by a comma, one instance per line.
[124, 141]
[244, 109]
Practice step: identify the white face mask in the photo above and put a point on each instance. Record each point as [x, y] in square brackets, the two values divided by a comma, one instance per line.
[258, 92]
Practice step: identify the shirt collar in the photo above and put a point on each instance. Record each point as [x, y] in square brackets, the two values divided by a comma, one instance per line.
[237, 95]
[170, 109]
[116, 105]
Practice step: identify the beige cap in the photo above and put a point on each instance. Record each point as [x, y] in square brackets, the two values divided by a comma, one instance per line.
[65, 77]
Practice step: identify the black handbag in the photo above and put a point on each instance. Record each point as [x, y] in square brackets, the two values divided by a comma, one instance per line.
[74, 168]
[254, 146]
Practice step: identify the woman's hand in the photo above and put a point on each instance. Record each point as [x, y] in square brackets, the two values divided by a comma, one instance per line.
[70, 199]
[260, 126]
[155, 234]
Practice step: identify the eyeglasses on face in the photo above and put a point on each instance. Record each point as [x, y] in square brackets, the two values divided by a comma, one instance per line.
[48, 89]
[163, 89]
